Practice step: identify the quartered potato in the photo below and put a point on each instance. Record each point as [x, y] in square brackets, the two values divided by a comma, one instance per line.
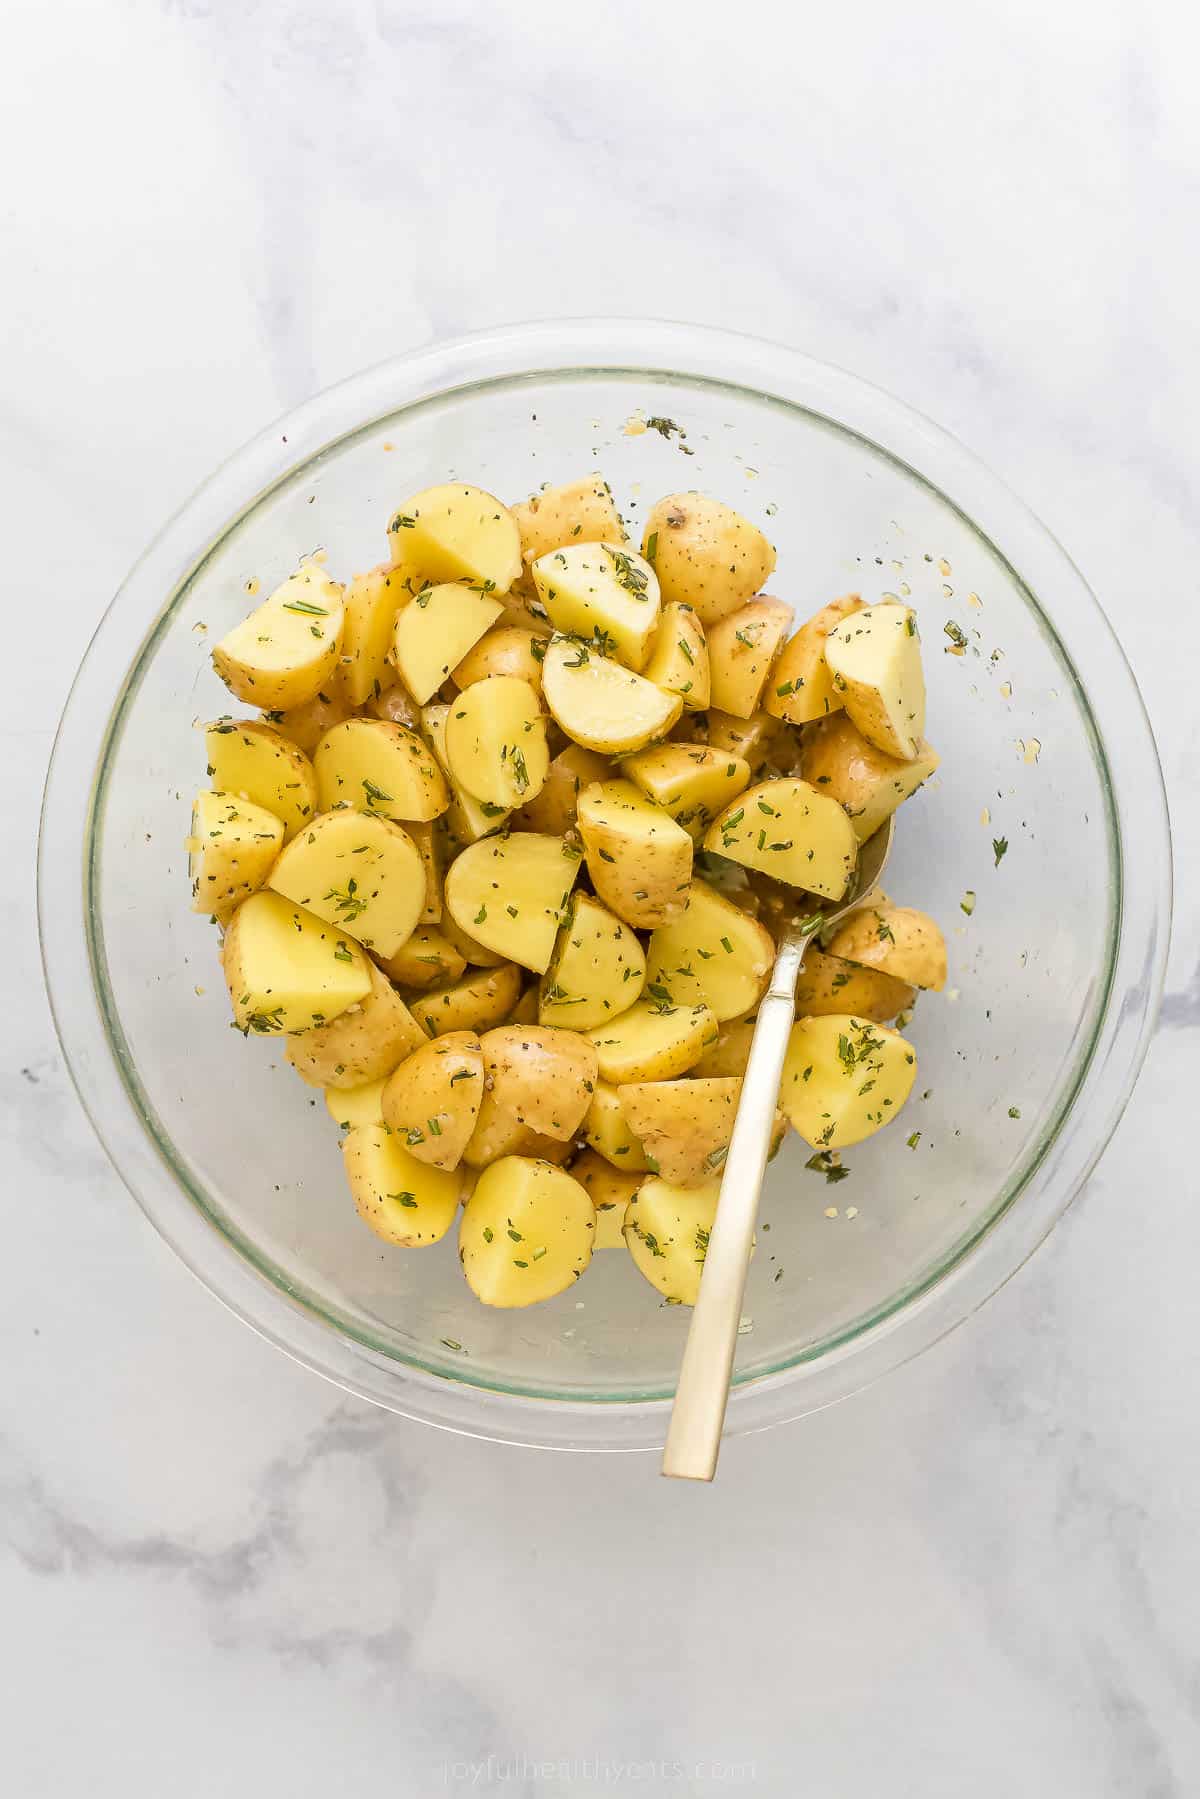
[467, 819]
[503, 650]
[356, 1105]
[601, 704]
[714, 954]
[598, 969]
[790, 831]
[428, 959]
[801, 686]
[370, 604]
[679, 660]
[287, 649]
[874, 657]
[667, 1230]
[867, 784]
[757, 740]
[689, 780]
[542, 1076]
[578, 512]
[606, 1129]
[601, 592]
[360, 872]
[897, 941]
[364, 1043]
[496, 742]
[383, 769]
[511, 892]
[844, 1078]
[527, 1233]
[684, 1126]
[432, 1099]
[483, 997]
[705, 555]
[258, 763]
[288, 970]
[742, 648]
[434, 633]
[458, 533]
[404, 1201]
[639, 859]
[553, 810]
[231, 850]
[827, 985]
[305, 725]
[652, 1041]
[499, 1132]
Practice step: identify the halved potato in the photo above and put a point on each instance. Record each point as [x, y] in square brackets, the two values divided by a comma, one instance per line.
[360, 872]
[467, 819]
[553, 810]
[458, 533]
[667, 1230]
[481, 998]
[599, 703]
[371, 602]
[690, 781]
[496, 742]
[503, 650]
[742, 648]
[874, 657]
[606, 1129]
[684, 1126]
[287, 649]
[428, 959]
[382, 769]
[363, 1043]
[356, 1105]
[801, 685]
[844, 1078]
[893, 940]
[714, 953]
[402, 1200]
[610, 1192]
[639, 859]
[828, 986]
[679, 660]
[705, 554]
[305, 725]
[543, 1076]
[652, 1041]
[259, 763]
[476, 954]
[511, 892]
[598, 968]
[231, 850]
[526, 1234]
[577, 512]
[867, 784]
[791, 832]
[756, 740]
[730, 1053]
[432, 1099]
[603, 593]
[288, 970]
[434, 634]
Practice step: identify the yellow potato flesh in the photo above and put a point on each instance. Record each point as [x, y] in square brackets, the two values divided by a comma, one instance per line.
[511, 893]
[576, 512]
[755, 740]
[874, 657]
[867, 784]
[467, 819]
[679, 659]
[610, 1192]
[601, 592]
[730, 1053]
[742, 649]
[705, 554]
[364, 1043]
[371, 602]
[288, 970]
[801, 685]
[287, 649]
[892, 940]
[714, 953]
[684, 1126]
[434, 634]
[402, 1200]
[432, 1099]
[259, 763]
[483, 997]
[395, 705]
[652, 1042]
[498, 1132]
[599, 703]
[356, 1105]
[667, 1230]
[553, 811]
[606, 1129]
[527, 1233]
[496, 742]
[382, 769]
[232, 848]
[458, 533]
[793, 833]
[639, 859]
[305, 725]
[691, 782]
[428, 959]
[504, 650]
[844, 1078]
[598, 970]
[360, 873]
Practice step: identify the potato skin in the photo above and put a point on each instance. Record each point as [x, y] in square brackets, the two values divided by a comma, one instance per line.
[400, 1199]
[894, 940]
[867, 783]
[428, 959]
[543, 1076]
[483, 997]
[705, 555]
[553, 811]
[576, 512]
[362, 1044]
[828, 985]
[730, 1053]
[512, 650]
[742, 649]
[801, 686]
[433, 1098]
[684, 1126]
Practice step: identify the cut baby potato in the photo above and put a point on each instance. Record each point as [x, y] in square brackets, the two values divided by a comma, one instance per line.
[801, 685]
[361, 873]
[526, 1009]
[742, 648]
[432, 1099]
[610, 1227]
[844, 1078]
[705, 555]
[504, 650]
[599, 703]
[598, 969]
[639, 859]
[690, 781]
[652, 1041]
[363, 1043]
[287, 649]
[756, 740]
[667, 1230]
[828, 986]
[526, 1234]
[874, 657]
[498, 1132]
[395, 704]
[684, 1126]
[790, 831]
[483, 997]
[428, 959]
[731, 1051]
[553, 810]
[475, 953]
[679, 661]
[714, 953]
[577, 512]
[601, 592]
[349, 1106]
[607, 1131]
[867, 784]
[305, 725]
[894, 940]
[496, 742]
[610, 1192]
[467, 819]
[258, 763]
[371, 602]
[434, 634]
[430, 847]
[542, 1076]
[288, 970]
[403, 1200]
[511, 892]
[379, 768]
[458, 533]
[231, 850]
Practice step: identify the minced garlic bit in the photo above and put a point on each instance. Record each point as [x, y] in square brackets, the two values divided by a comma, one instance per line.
[852, 1211]
[973, 599]
[831, 1211]
[1006, 690]
[1030, 748]
[944, 567]
[635, 424]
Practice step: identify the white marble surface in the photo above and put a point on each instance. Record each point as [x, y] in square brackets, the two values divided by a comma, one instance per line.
[217, 1575]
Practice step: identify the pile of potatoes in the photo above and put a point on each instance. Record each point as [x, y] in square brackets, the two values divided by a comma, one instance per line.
[505, 856]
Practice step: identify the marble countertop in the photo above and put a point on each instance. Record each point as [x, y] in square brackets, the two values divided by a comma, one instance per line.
[219, 1575]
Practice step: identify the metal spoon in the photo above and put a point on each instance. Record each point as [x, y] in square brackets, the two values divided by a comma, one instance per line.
[698, 1415]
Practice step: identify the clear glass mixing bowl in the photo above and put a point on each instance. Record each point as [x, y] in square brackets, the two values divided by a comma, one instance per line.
[1024, 1065]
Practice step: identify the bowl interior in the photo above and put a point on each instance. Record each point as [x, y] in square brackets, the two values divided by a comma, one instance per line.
[1001, 1054]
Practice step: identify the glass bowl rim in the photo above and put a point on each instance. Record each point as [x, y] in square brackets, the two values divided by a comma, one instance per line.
[1134, 790]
